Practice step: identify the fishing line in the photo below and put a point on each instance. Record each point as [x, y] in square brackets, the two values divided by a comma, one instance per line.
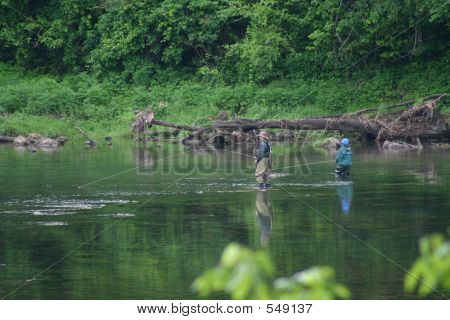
[137, 167]
[351, 233]
[89, 240]
[282, 168]
[325, 217]
[305, 164]
[330, 220]
[108, 227]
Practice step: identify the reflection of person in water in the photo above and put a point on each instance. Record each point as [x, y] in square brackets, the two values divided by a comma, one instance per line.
[345, 192]
[264, 216]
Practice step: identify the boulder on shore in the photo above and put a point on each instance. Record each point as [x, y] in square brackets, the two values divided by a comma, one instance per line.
[400, 145]
[331, 144]
[21, 141]
[49, 143]
[35, 142]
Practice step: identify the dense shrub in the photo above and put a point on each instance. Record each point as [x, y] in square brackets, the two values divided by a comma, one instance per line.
[83, 97]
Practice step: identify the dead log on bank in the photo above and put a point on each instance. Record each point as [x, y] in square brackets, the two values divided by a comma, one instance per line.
[179, 126]
[89, 141]
[422, 122]
[328, 123]
[409, 103]
[6, 139]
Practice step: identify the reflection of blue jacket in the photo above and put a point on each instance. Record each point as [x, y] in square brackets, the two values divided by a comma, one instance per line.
[345, 193]
[344, 157]
[264, 150]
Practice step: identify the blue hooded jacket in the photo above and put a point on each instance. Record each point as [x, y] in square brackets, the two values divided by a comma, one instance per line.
[344, 157]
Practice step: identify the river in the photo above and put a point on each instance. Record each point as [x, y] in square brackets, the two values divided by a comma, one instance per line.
[124, 222]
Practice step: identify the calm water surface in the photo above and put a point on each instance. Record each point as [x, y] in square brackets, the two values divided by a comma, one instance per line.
[134, 223]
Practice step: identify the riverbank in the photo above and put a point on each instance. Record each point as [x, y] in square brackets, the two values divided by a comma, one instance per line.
[53, 105]
[47, 126]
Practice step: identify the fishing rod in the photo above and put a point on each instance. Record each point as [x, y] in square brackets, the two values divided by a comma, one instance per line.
[189, 151]
[287, 167]
[132, 169]
[306, 164]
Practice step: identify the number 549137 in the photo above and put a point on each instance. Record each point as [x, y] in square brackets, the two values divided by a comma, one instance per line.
[286, 308]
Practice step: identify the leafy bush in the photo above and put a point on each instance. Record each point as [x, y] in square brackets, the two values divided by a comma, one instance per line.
[245, 274]
[83, 97]
[246, 41]
[431, 271]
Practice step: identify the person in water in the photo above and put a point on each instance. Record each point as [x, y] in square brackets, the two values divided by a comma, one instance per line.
[263, 161]
[344, 158]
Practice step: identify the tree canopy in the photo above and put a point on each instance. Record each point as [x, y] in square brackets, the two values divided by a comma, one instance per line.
[228, 40]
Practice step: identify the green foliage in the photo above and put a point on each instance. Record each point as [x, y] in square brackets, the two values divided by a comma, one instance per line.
[23, 124]
[148, 41]
[431, 271]
[144, 38]
[51, 35]
[353, 32]
[81, 96]
[244, 274]
[75, 96]
[265, 46]
[316, 283]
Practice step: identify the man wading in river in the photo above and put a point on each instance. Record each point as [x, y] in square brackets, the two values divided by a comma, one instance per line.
[263, 161]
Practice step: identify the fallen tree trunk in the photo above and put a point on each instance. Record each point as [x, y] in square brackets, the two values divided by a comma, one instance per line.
[6, 139]
[178, 126]
[84, 134]
[433, 97]
[332, 124]
[422, 121]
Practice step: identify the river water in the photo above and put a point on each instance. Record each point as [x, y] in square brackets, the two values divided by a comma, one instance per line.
[125, 222]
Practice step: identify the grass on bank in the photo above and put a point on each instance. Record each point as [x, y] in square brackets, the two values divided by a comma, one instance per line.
[54, 105]
[23, 124]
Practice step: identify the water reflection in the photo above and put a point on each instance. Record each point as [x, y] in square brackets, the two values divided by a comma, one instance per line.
[430, 174]
[345, 192]
[144, 161]
[427, 174]
[157, 250]
[264, 216]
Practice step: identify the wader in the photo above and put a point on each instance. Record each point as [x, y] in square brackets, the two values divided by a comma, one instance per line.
[262, 172]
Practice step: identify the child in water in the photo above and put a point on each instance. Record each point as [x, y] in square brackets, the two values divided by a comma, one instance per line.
[344, 158]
